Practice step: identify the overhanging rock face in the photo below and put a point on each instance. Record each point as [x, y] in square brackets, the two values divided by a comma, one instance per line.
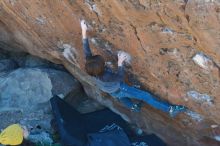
[174, 46]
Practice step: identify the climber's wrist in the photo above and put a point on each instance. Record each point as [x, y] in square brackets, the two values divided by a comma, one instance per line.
[84, 36]
[120, 63]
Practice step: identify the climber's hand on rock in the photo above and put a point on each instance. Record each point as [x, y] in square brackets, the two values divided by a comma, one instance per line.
[84, 28]
[83, 25]
[121, 58]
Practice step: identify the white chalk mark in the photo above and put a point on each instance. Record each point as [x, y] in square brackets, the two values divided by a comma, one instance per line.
[167, 30]
[70, 53]
[195, 116]
[41, 20]
[201, 98]
[128, 56]
[203, 61]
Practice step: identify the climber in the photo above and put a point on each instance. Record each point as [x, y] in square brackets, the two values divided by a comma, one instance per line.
[14, 134]
[113, 83]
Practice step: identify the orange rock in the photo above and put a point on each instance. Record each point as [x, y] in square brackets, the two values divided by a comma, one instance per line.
[137, 27]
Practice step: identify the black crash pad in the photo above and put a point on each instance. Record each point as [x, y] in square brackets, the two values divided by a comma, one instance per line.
[74, 127]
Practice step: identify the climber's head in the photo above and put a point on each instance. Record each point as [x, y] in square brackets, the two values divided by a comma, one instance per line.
[95, 65]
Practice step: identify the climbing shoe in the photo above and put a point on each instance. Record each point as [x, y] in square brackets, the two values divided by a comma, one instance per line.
[176, 109]
[136, 107]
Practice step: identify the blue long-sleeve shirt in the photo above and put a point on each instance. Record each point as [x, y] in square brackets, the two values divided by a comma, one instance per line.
[109, 82]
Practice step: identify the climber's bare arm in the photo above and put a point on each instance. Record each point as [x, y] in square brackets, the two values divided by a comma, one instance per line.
[84, 29]
[86, 48]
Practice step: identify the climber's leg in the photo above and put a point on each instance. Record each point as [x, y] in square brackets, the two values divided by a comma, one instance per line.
[121, 96]
[152, 100]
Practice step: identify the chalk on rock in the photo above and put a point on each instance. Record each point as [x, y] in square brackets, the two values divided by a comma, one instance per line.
[201, 98]
[93, 40]
[203, 61]
[93, 7]
[67, 46]
[41, 20]
[102, 44]
[167, 30]
[195, 116]
[70, 53]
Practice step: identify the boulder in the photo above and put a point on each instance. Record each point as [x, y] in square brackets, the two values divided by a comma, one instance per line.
[25, 95]
[25, 87]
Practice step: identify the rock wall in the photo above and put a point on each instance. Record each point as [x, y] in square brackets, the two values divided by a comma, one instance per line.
[174, 46]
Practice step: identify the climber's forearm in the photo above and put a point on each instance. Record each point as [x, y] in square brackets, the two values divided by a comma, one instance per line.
[84, 35]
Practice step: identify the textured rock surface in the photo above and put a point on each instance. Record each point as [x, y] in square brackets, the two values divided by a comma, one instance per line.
[25, 87]
[162, 37]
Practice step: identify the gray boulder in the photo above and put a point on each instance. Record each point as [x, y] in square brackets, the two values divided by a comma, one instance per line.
[27, 91]
[25, 88]
[9, 116]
